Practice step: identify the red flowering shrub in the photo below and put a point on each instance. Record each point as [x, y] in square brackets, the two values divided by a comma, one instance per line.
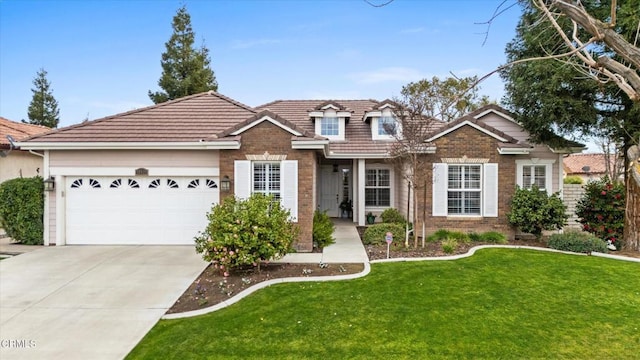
[601, 210]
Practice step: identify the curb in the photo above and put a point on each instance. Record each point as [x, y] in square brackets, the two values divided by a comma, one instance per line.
[615, 257]
[262, 285]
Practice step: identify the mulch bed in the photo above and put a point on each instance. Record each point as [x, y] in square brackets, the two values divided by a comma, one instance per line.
[212, 288]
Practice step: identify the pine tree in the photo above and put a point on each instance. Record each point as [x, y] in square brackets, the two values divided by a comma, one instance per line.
[185, 69]
[43, 109]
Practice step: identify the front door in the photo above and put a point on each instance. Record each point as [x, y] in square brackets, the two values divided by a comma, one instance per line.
[330, 190]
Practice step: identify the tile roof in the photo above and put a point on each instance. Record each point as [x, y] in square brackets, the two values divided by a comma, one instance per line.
[191, 118]
[18, 131]
[585, 164]
[357, 135]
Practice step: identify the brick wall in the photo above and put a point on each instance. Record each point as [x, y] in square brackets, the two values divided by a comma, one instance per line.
[266, 137]
[571, 193]
[471, 143]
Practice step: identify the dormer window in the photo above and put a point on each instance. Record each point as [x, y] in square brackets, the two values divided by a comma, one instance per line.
[330, 120]
[329, 126]
[387, 126]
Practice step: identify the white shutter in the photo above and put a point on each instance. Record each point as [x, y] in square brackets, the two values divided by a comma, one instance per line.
[440, 179]
[548, 181]
[289, 187]
[242, 178]
[490, 191]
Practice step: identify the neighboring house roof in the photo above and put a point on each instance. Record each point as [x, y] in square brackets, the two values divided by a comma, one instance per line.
[188, 119]
[578, 164]
[19, 131]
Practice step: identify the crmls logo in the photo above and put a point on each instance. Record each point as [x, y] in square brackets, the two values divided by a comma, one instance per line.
[17, 343]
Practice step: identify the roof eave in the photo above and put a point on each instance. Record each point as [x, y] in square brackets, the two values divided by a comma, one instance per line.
[512, 151]
[567, 150]
[187, 145]
[309, 144]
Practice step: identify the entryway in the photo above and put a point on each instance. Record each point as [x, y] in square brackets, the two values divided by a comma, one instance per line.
[335, 190]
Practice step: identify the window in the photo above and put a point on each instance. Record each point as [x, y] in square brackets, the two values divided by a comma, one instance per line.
[464, 190]
[534, 175]
[387, 126]
[535, 172]
[377, 190]
[266, 179]
[329, 126]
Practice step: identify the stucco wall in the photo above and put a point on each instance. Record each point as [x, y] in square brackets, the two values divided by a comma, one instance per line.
[134, 158]
[20, 164]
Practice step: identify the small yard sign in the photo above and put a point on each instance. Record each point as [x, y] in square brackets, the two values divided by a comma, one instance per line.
[389, 239]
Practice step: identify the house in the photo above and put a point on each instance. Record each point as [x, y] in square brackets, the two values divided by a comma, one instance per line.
[14, 162]
[592, 166]
[148, 176]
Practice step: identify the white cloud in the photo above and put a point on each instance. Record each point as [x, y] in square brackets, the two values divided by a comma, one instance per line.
[389, 74]
[246, 44]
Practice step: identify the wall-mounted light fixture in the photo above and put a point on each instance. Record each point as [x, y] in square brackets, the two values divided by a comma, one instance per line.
[225, 183]
[49, 184]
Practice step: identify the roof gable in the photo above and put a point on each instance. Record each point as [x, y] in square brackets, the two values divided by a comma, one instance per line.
[492, 109]
[262, 116]
[476, 124]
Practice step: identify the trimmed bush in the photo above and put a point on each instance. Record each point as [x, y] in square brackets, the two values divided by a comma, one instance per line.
[22, 208]
[322, 229]
[246, 232]
[533, 210]
[375, 234]
[573, 179]
[392, 215]
[576, 241]
[601, 210]
[449, 245]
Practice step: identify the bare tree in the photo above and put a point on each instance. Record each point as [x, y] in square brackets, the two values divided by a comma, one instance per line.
[410, 131]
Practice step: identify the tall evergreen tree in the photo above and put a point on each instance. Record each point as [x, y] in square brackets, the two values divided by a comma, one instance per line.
[185, 69]
[43, 109]
[555, 95]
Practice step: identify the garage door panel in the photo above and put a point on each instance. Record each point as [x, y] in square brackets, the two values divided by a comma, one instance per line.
[138, 210]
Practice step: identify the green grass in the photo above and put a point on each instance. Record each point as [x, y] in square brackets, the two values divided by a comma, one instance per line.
[497, 304]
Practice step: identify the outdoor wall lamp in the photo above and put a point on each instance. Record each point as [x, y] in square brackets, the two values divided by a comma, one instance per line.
[225, 183]
[49, 184]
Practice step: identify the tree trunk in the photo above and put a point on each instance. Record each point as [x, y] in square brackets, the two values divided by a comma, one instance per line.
[632, 211]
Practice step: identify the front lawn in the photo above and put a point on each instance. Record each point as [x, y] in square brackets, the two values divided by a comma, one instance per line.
[499, 303]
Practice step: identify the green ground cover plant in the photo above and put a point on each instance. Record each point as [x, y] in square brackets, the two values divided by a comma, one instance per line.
[497, 304]
[322, 229]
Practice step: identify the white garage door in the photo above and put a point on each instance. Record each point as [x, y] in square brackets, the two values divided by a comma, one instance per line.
[138, 210]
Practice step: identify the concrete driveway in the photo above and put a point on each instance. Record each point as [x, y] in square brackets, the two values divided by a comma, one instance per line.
[88, 302]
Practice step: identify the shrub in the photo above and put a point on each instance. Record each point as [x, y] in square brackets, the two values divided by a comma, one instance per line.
[322, 229]
[443, 234]
[392, 215]
[573, 179]
[493, 237]
[576, 241]
[22, 208]
[601, 210]
[375, 234]
[246, 232]
[449, 245]
[533, 210]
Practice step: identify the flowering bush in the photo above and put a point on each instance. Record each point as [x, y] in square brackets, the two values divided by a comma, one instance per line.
[533, 210]
[601, 210]
[246, 232]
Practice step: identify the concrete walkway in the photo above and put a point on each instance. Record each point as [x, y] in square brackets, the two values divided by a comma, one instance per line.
[8, 247]
[347, 249]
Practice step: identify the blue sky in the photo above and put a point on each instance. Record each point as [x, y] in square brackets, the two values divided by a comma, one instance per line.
[102, 57]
